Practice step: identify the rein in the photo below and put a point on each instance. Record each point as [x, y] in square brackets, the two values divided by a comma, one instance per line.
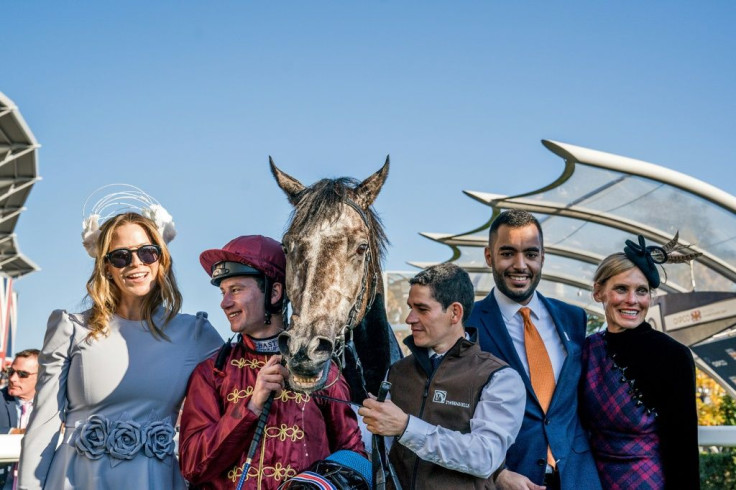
[331, 398]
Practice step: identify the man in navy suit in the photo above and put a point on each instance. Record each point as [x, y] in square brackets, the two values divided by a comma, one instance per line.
[16, 402]
[551, 448]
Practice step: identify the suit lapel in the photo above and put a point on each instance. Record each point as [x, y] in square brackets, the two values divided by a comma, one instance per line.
[13, 415]
[11, 408]
[499, 336]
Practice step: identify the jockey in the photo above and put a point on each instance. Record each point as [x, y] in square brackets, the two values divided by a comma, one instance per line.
[228, 392]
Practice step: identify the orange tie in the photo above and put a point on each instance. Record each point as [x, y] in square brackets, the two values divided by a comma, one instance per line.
[540, 367]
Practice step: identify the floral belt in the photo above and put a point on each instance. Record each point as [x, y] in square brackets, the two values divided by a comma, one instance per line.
[123, 439]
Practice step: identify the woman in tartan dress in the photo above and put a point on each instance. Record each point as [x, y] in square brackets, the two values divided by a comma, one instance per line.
[638, 388]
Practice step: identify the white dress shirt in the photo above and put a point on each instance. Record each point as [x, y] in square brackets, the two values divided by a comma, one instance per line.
[24, 409]
[22, 416]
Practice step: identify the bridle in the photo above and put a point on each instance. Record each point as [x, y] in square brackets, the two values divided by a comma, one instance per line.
[345, 335]
[369, 285]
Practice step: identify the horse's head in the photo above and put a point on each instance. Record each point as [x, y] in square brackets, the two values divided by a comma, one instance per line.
[334, 245]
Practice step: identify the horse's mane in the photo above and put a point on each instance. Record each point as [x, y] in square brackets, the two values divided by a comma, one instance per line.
[323, 200]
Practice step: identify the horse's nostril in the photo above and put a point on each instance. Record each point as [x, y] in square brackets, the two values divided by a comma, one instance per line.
[323, 347]
[284, 343]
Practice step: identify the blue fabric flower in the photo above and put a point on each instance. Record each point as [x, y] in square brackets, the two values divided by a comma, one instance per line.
[92, 438]
[124, 439]
[159, 436]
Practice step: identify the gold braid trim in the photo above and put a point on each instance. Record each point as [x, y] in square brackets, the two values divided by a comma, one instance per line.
[287, 395]
[249, 363]
[293, 433]
[278, 472]
[236, 395]
[284, 397]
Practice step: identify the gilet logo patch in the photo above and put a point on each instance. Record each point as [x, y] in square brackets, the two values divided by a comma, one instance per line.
[440, 396]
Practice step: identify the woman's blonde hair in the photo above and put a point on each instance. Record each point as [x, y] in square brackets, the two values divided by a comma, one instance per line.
[612, 265]
[105, 295]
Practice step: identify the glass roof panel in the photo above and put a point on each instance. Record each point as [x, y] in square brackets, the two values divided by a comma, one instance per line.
[472, 257]
[653, 204]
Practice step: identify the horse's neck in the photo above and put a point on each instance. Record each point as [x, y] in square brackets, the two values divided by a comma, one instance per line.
[376, 345]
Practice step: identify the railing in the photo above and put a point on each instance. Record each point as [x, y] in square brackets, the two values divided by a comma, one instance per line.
[719, 435]
[9, 447]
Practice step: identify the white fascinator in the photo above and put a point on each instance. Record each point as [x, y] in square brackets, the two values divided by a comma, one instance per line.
[113, 199]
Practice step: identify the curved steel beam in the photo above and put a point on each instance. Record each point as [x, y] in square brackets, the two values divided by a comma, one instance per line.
[577, 154]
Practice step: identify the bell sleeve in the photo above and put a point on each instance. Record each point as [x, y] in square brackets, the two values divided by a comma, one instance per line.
[42, 434]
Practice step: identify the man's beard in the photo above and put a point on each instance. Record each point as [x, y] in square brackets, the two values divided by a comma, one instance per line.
[515, 295]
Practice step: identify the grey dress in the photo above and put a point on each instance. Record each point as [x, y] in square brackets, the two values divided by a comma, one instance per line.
[118, 399]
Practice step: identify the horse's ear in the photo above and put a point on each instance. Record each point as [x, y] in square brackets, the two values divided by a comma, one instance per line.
[370, 187]
[288, 184]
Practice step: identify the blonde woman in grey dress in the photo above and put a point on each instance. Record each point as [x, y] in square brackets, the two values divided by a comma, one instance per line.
[112, 378]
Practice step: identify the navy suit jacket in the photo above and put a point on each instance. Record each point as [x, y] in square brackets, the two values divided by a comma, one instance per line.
[8, 420]
[8, 412]
[560, 426]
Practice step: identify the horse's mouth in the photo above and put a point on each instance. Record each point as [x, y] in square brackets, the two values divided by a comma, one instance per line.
[309, 384]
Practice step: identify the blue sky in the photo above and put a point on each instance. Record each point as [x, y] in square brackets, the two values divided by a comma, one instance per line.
[188, 99]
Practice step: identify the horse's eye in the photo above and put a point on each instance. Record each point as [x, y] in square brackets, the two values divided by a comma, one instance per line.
[362, 248]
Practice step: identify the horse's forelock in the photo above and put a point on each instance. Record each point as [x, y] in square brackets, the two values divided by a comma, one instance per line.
[321, 202]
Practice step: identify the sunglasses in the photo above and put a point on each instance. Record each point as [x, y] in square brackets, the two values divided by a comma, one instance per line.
[21, 374]
[122, 257]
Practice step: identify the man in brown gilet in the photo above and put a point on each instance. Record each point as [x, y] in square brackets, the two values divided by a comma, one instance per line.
[454, 410]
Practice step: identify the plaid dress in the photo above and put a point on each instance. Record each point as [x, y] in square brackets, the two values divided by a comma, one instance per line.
[622, 429]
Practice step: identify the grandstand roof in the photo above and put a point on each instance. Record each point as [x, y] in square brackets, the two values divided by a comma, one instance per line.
[18, 173]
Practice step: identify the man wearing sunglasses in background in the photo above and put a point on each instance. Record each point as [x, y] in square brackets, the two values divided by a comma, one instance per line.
[17, 403]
